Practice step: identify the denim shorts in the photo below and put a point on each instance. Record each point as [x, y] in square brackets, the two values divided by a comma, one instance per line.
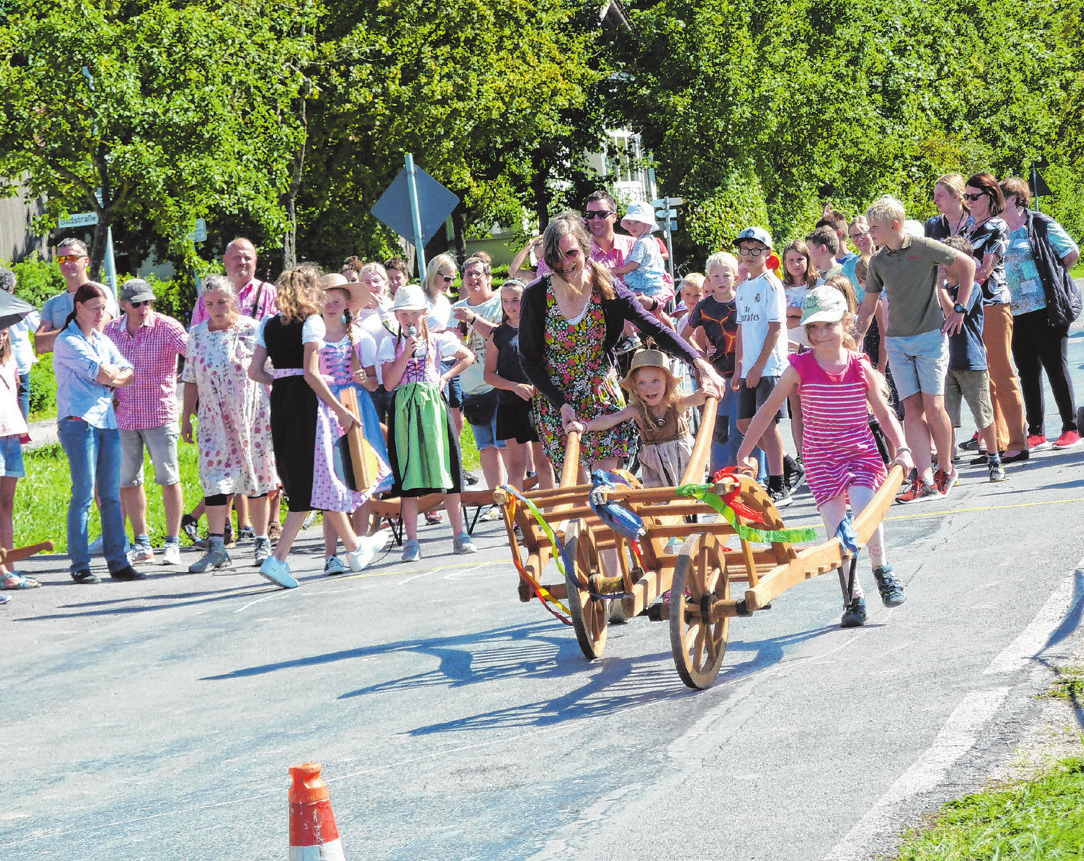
[485, 405]
[919, 363]
[11, 457]
[161, 442]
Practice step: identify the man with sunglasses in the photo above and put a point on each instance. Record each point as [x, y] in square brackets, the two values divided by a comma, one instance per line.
[72, 256]
[147, 415]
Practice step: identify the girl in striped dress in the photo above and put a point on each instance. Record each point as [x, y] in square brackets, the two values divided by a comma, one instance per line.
[838, 388]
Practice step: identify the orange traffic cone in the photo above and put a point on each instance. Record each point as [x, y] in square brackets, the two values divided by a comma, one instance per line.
[314, 836]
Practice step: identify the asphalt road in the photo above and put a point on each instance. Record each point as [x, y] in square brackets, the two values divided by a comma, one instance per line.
[157, 720]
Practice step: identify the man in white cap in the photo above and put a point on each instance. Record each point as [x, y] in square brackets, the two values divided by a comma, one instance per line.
[72, 256]
[147, 415]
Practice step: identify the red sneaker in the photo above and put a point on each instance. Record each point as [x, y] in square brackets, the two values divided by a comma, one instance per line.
[917, 491]
[943, 481]
[1037, 442]
[1069, 439]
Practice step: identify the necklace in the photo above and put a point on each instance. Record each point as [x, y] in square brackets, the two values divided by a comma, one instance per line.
[960, 224]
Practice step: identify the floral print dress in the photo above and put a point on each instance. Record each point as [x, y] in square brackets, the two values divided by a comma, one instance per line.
[579, 367]
[234, 432]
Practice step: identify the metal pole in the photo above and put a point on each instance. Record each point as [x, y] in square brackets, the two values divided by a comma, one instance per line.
[669, 241]
[415, 215]
[1035, 184]
[110, 263]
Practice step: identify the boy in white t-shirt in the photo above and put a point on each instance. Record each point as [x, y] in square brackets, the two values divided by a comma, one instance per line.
[762, 350]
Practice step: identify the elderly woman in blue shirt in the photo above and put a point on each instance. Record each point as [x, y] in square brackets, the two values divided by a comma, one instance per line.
[88, 367]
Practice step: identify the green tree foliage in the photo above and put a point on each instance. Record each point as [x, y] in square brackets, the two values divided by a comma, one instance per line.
[473, 90]
[173, 111]
[845, 99]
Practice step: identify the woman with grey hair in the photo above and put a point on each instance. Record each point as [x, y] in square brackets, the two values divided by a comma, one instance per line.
[234, 433]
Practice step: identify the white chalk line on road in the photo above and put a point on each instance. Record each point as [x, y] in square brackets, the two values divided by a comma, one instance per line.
[961, 730]
[957, 736]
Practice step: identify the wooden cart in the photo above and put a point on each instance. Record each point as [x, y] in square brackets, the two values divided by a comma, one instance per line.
[601, 566]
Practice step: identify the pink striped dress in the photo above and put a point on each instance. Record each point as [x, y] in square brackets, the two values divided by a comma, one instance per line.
[838, 449]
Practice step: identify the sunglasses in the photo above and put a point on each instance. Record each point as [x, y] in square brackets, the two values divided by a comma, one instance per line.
[598, 213]
[147, 302]
[447, 279]
[69, 258]
[973, 197]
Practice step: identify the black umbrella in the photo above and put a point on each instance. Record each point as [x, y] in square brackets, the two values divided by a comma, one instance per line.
[12, 309]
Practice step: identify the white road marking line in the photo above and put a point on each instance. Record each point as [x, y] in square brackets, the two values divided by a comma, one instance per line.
[956, 738]
[1021, 651]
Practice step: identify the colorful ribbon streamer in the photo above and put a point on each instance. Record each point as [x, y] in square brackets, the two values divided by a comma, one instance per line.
[705, 493]
[560, 555]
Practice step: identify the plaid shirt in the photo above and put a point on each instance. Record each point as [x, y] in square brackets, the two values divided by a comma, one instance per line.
[246, 302]
[151, 400]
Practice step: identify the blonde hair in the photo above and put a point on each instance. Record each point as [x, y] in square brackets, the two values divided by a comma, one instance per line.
[671, 396]
[886, 209]
[298, 292]
[724, 259]
[843, 284]
[441, 261]
[953, 183]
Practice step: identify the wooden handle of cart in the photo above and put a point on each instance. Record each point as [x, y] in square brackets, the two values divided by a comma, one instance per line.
[570, 475]
[8, 555]
[355, 438]
[698, 461]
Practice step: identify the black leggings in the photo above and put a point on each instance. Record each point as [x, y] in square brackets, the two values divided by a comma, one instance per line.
[1038, 346]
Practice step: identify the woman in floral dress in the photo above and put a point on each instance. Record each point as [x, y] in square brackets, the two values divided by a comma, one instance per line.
[570, 324]
[234, 431]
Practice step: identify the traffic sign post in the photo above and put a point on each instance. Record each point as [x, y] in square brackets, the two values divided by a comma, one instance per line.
[415, 205]
[666, 212]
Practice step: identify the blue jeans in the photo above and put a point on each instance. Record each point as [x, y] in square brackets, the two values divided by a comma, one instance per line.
[724, 448]
[93, 456]
[24, 395]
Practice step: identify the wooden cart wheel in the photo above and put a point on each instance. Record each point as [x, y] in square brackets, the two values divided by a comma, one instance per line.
[699, 576]
[588, 613]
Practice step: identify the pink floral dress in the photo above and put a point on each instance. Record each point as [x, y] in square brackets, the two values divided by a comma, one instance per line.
[234, 432]
[578, 366]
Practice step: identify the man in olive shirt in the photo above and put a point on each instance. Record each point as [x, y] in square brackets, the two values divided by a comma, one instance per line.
[920, 316]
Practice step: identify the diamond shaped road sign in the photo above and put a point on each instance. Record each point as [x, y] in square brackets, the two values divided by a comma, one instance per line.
[435, 204]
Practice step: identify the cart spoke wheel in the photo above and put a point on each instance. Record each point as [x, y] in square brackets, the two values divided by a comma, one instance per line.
[700, 578]
[588, 613]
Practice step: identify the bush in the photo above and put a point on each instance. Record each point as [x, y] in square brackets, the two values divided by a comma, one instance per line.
[714, 223]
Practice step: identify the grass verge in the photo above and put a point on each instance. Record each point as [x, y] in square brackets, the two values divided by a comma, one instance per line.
[1041, 820]
[41, 499]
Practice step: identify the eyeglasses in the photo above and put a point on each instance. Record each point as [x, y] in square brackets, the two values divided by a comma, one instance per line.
[147, 302]
[447, 279]
[69, 258]
[592, 214]
[974, 197]
[859, 234]
[747, 251]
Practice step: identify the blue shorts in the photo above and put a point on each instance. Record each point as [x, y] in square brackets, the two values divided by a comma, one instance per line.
[751, 400]
[11, 457]
[919, 363]
[480, 411]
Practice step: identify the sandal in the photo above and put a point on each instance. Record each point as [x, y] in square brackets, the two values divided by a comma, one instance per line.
[18, 581]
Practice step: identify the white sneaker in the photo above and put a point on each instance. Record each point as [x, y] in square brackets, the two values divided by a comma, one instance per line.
[171, 554]
[140, 553]
[368, 547]
[278, 573]
[494, 513]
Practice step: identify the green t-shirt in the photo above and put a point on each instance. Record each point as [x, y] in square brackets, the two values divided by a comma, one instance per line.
[908, 276]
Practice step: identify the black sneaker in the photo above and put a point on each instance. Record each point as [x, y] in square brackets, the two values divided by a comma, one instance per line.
[227, 536]
[793, 475]
[127, 573]
[971, 444]
[889, 587]
[190, 527]
[781, 496]
[855, 614]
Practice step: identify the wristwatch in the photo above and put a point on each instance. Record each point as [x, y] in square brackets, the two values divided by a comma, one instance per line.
[959, 309]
